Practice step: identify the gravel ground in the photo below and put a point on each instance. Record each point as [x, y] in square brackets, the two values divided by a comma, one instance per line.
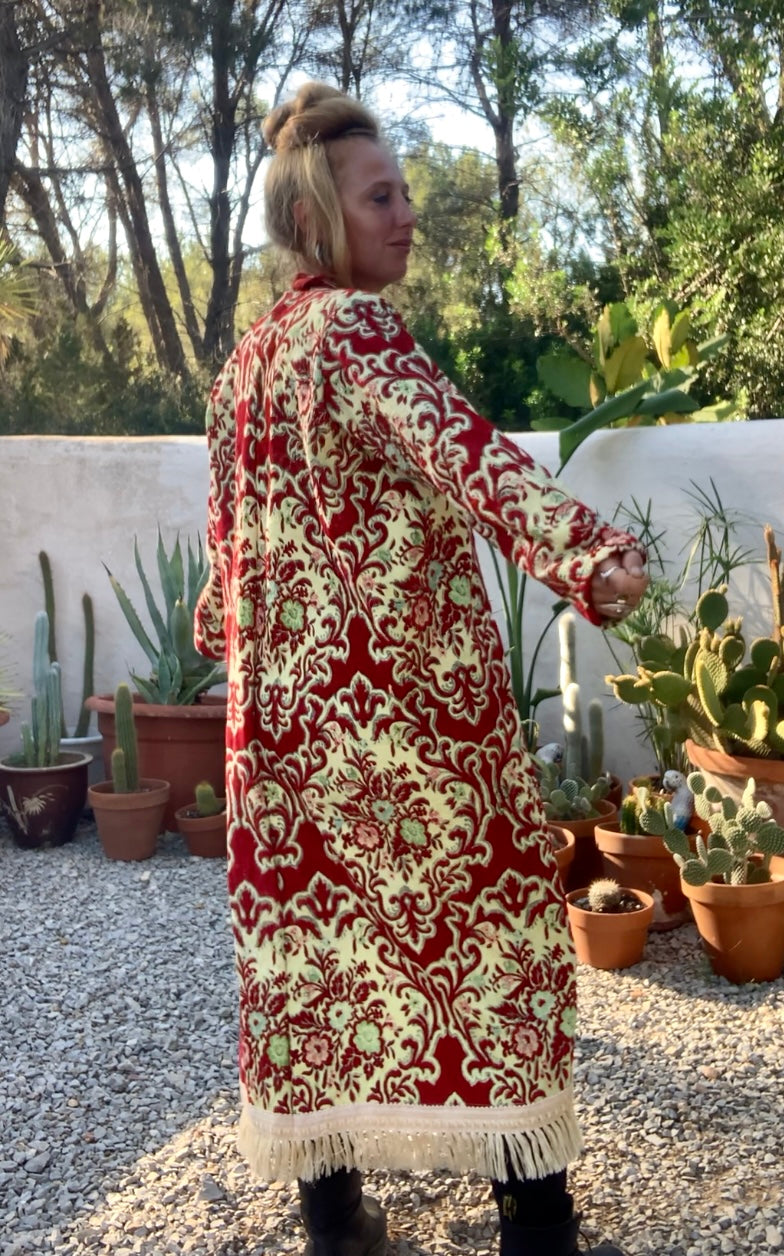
[118, 1096]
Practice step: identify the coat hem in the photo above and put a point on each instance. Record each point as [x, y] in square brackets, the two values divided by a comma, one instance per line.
[540, 1139]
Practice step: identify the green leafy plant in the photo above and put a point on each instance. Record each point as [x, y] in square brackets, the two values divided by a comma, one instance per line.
[125, 756]
[707, 686]
[179, 673]
[743, 837]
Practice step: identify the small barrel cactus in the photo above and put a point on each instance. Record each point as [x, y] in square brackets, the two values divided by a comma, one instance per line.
[207, 802]
[604, 895]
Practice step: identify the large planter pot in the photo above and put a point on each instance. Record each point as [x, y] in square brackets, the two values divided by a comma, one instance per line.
[730, 773]
[128, 824]
[43, 805]
[563, 845]
[643, 863]
[180, 744]
[587, 863]
[742, 928]
[609, 939]
[205, 836]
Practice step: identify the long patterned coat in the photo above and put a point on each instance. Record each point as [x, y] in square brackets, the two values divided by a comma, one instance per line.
[407, 990]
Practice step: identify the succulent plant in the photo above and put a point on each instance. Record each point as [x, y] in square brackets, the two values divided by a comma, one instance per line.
[583, 748]
[82, 726]
[743, 837]
[179, 673]
[41, 737]
[604, 895]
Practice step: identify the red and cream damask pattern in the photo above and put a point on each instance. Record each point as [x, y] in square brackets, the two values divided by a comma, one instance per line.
[407, 994]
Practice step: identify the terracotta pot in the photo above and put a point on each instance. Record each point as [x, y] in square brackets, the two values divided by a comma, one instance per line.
[730, 773]
[5, 716]
[181, 744]
[644, 863]
[563, 845]
[44, 805]
[587, 862]
[205, 836]
[742, 928]
[128, 824]
[609, 939]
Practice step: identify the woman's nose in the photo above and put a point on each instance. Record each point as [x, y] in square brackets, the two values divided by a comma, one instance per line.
[406, 213]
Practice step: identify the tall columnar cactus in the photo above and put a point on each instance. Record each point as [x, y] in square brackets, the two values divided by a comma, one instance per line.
[88, 685]
[711, 690]
[125, 757]
[41, 737]
[742, 837]
[583, 750]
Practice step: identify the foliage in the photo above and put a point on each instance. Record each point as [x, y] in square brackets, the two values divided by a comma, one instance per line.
[741, 841]
[706, 685]
[180, 674]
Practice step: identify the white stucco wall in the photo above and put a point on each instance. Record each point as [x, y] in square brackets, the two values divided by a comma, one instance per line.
[83, 500]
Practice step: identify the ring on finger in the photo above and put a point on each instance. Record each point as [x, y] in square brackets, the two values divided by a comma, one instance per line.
[605, 575]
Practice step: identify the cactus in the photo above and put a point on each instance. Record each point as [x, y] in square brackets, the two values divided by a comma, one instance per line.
[207, 802]
[88, 686]
[125, 757]
[604, 895]
[583, 752]
[742, 837]
[568, 798]
[711, 691]
[179, 673]
[41, 737]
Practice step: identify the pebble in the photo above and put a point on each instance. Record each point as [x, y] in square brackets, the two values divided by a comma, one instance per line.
[118, 1091]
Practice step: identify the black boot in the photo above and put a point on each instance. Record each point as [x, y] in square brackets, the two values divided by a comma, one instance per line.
[339, 1220]
[551, 1240]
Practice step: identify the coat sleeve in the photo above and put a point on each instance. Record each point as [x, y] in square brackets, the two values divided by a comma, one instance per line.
[210, 629]
[404, 404]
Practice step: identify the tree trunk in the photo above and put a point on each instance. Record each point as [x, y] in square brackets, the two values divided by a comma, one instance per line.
[13, 86]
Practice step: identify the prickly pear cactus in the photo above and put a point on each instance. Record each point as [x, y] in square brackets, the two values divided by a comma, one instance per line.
[741, 841]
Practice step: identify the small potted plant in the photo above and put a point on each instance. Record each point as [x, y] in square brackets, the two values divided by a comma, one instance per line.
[129, 809]
[609, 923]
[572, 804]
[203, 823]
[43, 788]
[738, 905]
[633, 850]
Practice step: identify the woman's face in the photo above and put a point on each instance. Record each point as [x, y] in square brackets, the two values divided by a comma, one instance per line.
[378, 218]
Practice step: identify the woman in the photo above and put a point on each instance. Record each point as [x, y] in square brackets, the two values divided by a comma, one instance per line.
[407, 984]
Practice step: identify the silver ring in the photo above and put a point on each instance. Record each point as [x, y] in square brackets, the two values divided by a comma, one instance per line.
[605, 575]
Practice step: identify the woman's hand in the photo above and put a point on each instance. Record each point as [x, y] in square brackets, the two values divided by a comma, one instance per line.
[618, 584]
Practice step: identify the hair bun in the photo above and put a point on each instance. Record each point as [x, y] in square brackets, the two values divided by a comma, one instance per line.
[317, 112]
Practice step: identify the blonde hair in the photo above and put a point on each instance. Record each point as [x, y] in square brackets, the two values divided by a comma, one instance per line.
[301, 134]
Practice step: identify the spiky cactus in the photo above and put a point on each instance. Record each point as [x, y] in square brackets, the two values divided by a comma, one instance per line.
[41, 737]
[207, 801]
[742, 837]
[125, 757]
[583, 750]
[88, 685]
[604, 895]
[569, 799]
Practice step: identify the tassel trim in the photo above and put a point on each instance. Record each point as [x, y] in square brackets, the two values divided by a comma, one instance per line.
[540, 1139]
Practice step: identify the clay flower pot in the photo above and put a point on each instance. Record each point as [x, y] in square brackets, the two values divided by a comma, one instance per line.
[610, 939]
[741, 927]
[643, 862]
[44, 805]
[129, 824]
[563, 844]
[587, 863]
[205, 836]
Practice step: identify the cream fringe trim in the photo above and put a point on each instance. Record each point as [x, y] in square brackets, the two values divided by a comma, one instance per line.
[540, 1139]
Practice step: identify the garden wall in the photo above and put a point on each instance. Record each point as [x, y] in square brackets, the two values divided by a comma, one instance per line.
[84, 500]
